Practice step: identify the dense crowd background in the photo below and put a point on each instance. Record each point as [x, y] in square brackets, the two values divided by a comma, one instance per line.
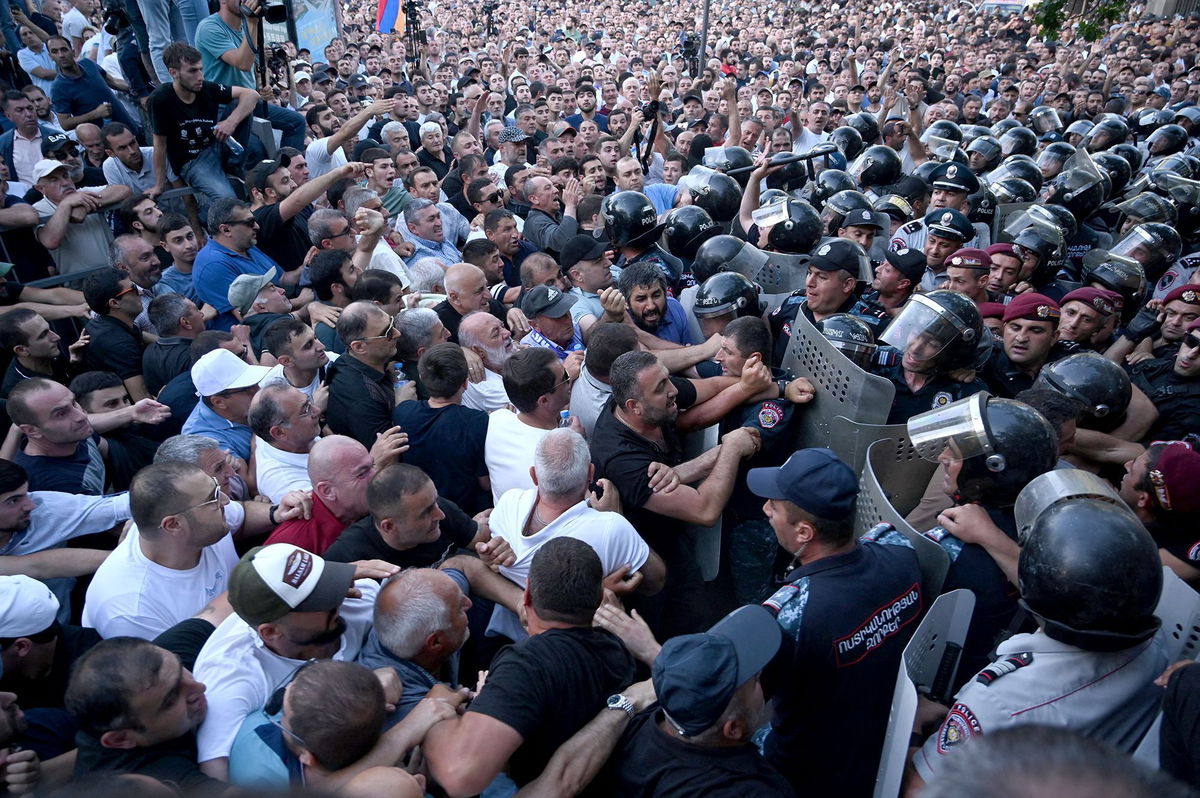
[485, 406]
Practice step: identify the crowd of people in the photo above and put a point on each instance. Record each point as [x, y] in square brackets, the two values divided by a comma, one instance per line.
[430, 414]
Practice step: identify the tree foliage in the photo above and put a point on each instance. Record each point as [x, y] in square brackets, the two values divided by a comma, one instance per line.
[1093, 17]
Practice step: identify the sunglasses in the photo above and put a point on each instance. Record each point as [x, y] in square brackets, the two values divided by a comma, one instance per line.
[251, 222]
[130, 290]
[491, 197]
[1191, 340]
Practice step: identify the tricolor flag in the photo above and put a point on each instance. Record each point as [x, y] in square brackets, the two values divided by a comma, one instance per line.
[390, 16]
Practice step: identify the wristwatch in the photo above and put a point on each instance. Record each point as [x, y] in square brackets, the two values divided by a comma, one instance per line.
[622, 703]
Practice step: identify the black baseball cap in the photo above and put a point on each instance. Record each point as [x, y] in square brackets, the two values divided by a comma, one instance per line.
[580, 247]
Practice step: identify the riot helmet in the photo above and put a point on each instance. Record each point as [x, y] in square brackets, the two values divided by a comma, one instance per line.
[936, 332]
[686, 228]
[851, 336]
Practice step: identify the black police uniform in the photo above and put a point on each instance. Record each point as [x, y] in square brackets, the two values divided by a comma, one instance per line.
[677, 276]
[938, 391]
[782, 317]
[845, 622]
[1177, 398]
[1005, 379]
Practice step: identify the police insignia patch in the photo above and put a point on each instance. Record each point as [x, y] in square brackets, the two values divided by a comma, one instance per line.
[787, 328]
[770, 415]
[1003, 667]
[960, 725]
[1194, 552]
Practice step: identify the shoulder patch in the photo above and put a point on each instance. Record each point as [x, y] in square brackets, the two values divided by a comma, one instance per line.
[950, 544]
[958, 727]
[1193, 553]
[1003, 667]
[787, 329]
[885, 535]
[787, 605]
[770, 414]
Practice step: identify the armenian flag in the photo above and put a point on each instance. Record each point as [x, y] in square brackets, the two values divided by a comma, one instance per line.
[390, 16]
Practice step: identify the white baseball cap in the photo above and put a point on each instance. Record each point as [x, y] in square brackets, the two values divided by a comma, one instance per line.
[222, 370]
[45, 167]
[26, 606]
[271, 581]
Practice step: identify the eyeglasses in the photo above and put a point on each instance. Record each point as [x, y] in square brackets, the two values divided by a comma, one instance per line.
[216, 498]
[339, 235]
[387, 333]
[566, 379]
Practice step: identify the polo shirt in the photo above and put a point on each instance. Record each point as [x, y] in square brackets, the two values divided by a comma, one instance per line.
[80, 472]
[76, 96]
[172, 762]
[118, 174]
[315, 534]
[361, 400]
[164, 360]
[362, 541]
[17, 373]
[588, 398]
[29, 61]
[217, 267]
[535, 338]
[232, 436]
[674, 327]
[487, 395]
[116, 347]
[179, 283]
[585, 305]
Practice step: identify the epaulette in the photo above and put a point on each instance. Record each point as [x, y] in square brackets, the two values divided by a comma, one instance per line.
[1003, 667]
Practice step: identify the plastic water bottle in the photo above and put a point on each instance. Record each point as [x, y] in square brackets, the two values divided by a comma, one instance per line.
[401, 377]
[237, 149]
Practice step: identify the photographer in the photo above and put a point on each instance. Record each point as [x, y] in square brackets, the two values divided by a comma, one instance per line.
[227, 42]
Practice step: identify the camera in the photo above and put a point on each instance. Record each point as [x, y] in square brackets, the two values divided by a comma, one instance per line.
[273, 11]
[115, 19]
[653, 109]
[690, 44]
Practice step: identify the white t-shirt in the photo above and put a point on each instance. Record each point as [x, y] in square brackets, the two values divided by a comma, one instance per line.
[241, 672]
[276, 375]
[508, 451]
[278, 471]
[320, 160]
[73, 23]
[486, 395]
[131, 595]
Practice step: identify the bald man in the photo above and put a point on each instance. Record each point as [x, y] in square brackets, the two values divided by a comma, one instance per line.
[340, 469]
[466, 292]
[362, 382]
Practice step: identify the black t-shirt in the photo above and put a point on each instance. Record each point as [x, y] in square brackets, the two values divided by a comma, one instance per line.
[286, 242]
[361, 400]
[186, 126]
[259, 323]
[73, 642]
[173, 762]
[115, 347]
[549, 686]
[18, 373]
[447, 444]
[362, 541]
[30, 259]
[164, 360]
[180, 395]
[451, 318]
[649, 763]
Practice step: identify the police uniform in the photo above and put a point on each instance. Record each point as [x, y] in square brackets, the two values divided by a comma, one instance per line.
[938, 391]
[869, 309]
[914, 234]
[749, 541]
[1108, 696]
[1181, 272]
[946, 223]
[1005, 379]
[1177, 398]
[949, 177]
[783, 317]
[672, 268]
[845, 622]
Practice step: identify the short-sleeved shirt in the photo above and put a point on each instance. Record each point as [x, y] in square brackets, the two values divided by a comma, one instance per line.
[179, 283]
[548, 687]
[172, 762]
[447, 443]
[674, 327]
[215, 270]
[213, 39]
[75, 96]
[361, 400]
[321, 160]
[86, 243]
[81, 472]
[233, 437]
[164, 360]
[285, 242]
[315, 534]
[116, 347]
[187, 127]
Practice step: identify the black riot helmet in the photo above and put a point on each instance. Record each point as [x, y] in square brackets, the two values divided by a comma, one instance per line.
[877, 166]
[925, 171]
[1050, 161]
[1080, 191]
[725, 253]
[1003, 126]
[1063, 218]
[1018, 141]
[1117, 169]
[771, 196]
[1046, 244]
[1152, 244]
[840, 204]
[1080, 128]
[1001, 443]
[848, 141]
[1021, 166]
[1045, 120]
[988, 150]
[725, 158]
[727, 292]
[1100, 385]
[1118, 273]
[1091, 574]
[972, 132]
[1167, 140]
[1132, 155]
[630, 219]
[866, 125]
[936, 332]
[1147, 120]
[851, 336]
[944, 129]
[1178, 164]
[828, 183]
[686, 228]
[1148, 207]
[1185, 193]
[1013, 189]
[715, 192]
[983, 205]
[1109, 129]
[795, 227]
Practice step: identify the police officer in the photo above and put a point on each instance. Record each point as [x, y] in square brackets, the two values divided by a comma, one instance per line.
[1101, 387]
[685, 229]
[833, 272]
[952, 184]
[851, 336]
[1030, 340]
[632, 226]
[1089, 316]
[933, 335]
[1160, 487]
[1173, 385]
[989, 449]
[1091, 664]
[896, 278]
[939, 234]
[846, 608]
[722, 298]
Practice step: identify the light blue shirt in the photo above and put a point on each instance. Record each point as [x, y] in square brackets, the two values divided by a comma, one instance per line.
[233, 437]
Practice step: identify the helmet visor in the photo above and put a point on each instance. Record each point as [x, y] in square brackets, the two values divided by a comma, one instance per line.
[958, 429]
[921, 331]
[772, 214]
[989, 148]
[1181, 189]
[1051, 158]
[1138, 244]
[1034, 215]
[860, 353]
[716, 158]
[1055, 487]
[1146, 208]
[698, 179]
[1045, 120]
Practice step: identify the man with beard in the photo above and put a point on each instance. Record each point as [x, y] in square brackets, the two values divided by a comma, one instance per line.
[135, 257]
[143, 218]
[645, 291]
[77, 238]
[83, 92]
[127, 163]
[331, 136]
[585, 99]
[291, 606]
[483, 334]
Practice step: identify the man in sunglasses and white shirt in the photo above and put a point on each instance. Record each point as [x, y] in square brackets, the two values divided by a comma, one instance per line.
[178, 556]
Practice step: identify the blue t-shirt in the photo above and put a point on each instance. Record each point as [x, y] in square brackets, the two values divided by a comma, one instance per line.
[675, 327]
[215, 270]
[81, 473]
[233, 437]
[75, 96]
[214, 37]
